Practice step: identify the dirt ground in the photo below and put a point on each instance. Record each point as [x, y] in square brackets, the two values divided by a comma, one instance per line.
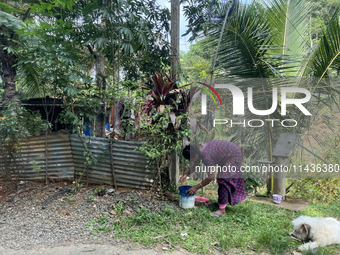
[293, 204]
[91, 249]
[61, 228]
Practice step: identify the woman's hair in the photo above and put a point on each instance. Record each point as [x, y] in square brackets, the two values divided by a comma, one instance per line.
[193, 149]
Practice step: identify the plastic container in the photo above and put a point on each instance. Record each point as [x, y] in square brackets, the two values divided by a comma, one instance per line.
[277, 199]
[201, 199]
[185, 201]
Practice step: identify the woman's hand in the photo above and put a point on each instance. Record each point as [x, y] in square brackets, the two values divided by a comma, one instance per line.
[192, 190]
[183, 178]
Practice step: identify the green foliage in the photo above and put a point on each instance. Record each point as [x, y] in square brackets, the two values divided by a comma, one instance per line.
[91, 198]
[320, 14]
[69, 198]
[100, 225]
[203, 14]
[159, 140]
[36, 168]
[79, 186]
[119, 208]
[17, 122]
[252, 182]
[99, 189]
[196, 63]
[9, 21]
[130, 85]
[323, 190]
[72, 121]
[162, 139]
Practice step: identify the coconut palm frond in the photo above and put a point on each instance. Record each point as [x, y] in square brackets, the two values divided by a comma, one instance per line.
[289, 22]
[326, 54]
[241, 53]
[31, 79]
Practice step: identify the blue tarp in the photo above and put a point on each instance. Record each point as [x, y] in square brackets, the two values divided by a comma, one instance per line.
[87, 131]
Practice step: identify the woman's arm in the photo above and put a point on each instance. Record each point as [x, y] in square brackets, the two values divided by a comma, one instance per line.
[203, 183]
[190, 171]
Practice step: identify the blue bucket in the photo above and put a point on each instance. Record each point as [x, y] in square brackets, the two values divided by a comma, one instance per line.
[182, 190]
[185, 200]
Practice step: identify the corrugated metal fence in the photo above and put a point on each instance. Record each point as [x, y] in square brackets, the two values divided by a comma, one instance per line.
[59, 157]
[65, 156]
[131, 166]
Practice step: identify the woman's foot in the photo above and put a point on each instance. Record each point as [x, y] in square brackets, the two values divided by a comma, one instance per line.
[218, 213]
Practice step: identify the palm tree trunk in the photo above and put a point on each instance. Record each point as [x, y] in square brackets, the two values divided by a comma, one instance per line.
[101, 85]
[8, 72]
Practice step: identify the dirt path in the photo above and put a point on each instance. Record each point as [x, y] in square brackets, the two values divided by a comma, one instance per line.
[90, 249]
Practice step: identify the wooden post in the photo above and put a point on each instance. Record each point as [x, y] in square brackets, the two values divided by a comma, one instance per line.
[112, 165]
[174, 169]
[279, 176]
[282, 149]
[175, 38]
[112, 136]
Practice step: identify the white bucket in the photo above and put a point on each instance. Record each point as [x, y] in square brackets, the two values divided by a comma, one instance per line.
[277, 199]
[186, 202]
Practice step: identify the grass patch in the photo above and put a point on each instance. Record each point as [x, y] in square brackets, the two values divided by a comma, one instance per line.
[249, 227]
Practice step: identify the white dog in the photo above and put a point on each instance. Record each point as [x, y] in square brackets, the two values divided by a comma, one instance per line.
[320, 231]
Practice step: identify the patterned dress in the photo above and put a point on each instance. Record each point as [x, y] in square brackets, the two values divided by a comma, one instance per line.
[228, 156]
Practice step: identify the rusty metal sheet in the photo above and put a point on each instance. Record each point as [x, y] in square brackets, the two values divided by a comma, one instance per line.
[59, 157]
[65, 155]
[132, 167]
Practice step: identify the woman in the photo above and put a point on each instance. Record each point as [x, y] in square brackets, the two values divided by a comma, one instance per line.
[226, 157]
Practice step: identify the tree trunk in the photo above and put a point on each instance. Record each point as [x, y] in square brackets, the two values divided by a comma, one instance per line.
[175, 35]
[175, 43]
[8, 72]
[101, 86]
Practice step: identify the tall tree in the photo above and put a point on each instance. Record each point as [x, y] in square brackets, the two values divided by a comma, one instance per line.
[12, 15]
[115, 30]
[108, 37]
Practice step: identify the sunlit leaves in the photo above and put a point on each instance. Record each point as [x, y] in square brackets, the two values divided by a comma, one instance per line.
[9, 21]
